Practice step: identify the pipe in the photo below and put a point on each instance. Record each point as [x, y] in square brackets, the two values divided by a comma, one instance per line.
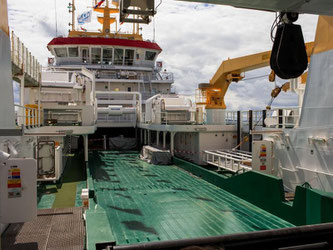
[4, 156]
[268, 239]
[104, 142]
[86, 149]
[46, 134]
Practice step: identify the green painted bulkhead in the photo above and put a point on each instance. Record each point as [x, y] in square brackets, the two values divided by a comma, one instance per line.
[309, 206]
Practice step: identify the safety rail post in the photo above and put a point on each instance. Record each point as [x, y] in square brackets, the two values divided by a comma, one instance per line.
[22, 56]
[18, 49]
[33, 118]
[280, 118]
[25, 116]
[250, 129]
[238, 127]
[264, 115]
[30, 60]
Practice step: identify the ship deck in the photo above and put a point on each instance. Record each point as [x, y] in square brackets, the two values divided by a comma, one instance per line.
[59, 223]
[136, 202]
[133, 202]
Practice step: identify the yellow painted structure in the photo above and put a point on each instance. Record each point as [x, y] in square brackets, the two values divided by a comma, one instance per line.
[32, 114]
[232, 70]
[4, 17]
[324, 35]
[106, 20]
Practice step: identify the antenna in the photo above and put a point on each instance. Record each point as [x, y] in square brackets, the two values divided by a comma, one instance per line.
[56, 17]
[154, 32]
[71, 9]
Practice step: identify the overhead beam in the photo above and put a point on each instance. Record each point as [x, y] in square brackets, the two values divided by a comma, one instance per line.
[303, 7]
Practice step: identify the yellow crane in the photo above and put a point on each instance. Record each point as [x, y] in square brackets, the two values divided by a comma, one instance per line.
[232, 70]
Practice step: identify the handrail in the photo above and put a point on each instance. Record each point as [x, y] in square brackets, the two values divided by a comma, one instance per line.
[227, 160]
[284, 117]
[28, 117]
[22, 58]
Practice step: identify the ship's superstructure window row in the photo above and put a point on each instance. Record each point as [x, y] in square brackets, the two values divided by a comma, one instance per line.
[102, 55]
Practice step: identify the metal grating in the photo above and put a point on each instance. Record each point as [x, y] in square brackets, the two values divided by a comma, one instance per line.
[54, 229]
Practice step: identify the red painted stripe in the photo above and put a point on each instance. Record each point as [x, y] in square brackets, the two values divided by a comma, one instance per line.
[14, 185]
[15, 173]
[103, 41]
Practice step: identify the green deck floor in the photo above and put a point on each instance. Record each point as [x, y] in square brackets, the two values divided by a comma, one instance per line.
[138, 202]
[67, 192]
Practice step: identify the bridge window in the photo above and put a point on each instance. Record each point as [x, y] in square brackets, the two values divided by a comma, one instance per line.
[150, 55]
[60, 52]
[129, 57]
[73, 52]
[85, 55]
[96, 55]
[107, 56]
[118, 56]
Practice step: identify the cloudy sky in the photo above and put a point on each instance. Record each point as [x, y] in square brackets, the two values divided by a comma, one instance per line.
[195, 39]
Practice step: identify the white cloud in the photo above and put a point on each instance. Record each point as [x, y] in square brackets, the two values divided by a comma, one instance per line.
[195, 39]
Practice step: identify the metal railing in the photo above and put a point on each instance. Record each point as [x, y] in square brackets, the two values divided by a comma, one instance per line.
[275, 118]
[171, 118]
[27, 116]
[233, 161]
[176, 117]
[63, 117]
[124, 118]
[23, 59]
[163, 76]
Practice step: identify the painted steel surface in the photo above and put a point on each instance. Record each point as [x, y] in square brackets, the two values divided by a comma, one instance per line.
[318, 7]
[103, 41]
[140, 202]
[6, 84]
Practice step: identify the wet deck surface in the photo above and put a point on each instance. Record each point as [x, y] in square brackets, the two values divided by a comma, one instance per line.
[141, 203]
[65, 193]
[54, 229]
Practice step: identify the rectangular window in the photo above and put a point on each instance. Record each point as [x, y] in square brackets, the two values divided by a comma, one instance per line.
[107, 56]
[129, 89]
[73, 52]
[61, 52]
[129, 57]
[85, 55]
[150, 56]
[118, 56]
[96, 55]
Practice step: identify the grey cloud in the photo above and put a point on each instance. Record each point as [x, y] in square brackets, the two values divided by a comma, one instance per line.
[47, 28]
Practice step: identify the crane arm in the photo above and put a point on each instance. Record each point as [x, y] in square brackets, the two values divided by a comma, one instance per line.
[231, 71]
